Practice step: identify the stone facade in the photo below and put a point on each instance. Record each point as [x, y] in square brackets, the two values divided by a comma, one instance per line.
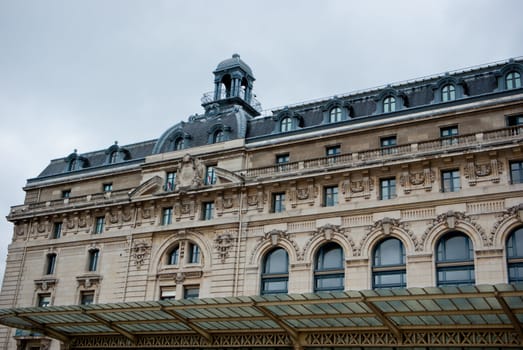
[221, 200]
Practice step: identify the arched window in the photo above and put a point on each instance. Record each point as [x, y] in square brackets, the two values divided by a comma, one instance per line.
[335, 115]
[113, 157]
[194, 254]
[174, 256]
[286, 124]
[388, 268]
[455, 260]
[72, 165]
[448, 93]
[329, 268]
[515, 256]
[178, 144]
[218, 136]
[513, 80]
[275, 272]
[389, 104]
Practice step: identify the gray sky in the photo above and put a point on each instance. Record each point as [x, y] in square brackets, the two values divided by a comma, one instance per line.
[82, 74]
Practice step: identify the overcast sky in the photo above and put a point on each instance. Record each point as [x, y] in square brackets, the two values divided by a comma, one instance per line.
[83, 74]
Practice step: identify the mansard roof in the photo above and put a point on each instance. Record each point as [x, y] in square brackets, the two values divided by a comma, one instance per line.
[481, 82]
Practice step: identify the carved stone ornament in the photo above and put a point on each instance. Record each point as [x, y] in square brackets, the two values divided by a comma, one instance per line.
[329, 230]
[139, 252]
[88, 281]
[275, 237]
[512, 213]
[190, 172]
[45, 284]
[417, 180]
[476, 172]
[223, 244]
[387, 226]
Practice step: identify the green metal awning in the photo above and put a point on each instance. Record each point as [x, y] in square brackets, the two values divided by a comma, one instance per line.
[483, 315]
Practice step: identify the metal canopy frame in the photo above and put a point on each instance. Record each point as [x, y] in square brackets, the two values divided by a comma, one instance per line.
[482, 315]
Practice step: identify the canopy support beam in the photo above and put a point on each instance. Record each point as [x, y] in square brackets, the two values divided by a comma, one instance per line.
[390, 325]
[295, 336]
[189, 324]
[111, 325]
[508, 311]
[45, 330]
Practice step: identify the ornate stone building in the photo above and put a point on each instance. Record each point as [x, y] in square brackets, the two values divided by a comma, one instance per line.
[385, 218]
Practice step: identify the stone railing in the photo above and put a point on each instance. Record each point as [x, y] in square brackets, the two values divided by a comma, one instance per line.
[418, 149]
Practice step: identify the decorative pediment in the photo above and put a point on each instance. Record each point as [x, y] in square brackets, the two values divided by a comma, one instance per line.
[228, 176]
[45, 284]
[88, 281]
[151, 186]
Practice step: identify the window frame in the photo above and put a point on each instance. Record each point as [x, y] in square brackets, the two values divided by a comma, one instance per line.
[518, 171]
[272, 277]
[513, 80]
[57, 230]
[170, 181]
[335, 114]
[448, 93]
[514, 256]
[322, 273]
[277, 202]
[286, 124]
[193, 253]
[173, 257]
[388, 144]
[380, 269]
[389, 104]
[207, 211]
[50, 264]
[87, 293]
[390, 183]
[445, 265]
[449, 135]
[93, 260]
[44, 299]
[452, 183]
[66, 194]
[189, 292]
[167, 216]
[107, 187]
[330, 196]
[210, 175]
[99, 225]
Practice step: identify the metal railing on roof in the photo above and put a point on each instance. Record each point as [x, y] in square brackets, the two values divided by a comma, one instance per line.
[208, 97]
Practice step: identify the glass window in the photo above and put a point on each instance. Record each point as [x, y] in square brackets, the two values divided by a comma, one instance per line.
[167, 216]
[515, 256]
[191, 292]
[113, 157]
[388, 144]
[330, 196]
[170, 181]
[207, 210]
[218, 136]
[278, 202]
[513, 80]
[275, 272]
[282, 158]
[93, 260]
[66, 193]
[448, 93]
[450, 181]
[168, 293]
[388, 268]
[329, 268]
[44, 300]
[387, 188]
[174, 255]
[331, 152]
[449, 135]
[108, 187]
[194, 254]
[455, 260]
[210, 175]
[335, 115]
[179, 144]
[87, 297]
[286, 124]
[50, 264]
[99, 227]
[515, 120]
[57, 230]
[389, 104]
[516, 172]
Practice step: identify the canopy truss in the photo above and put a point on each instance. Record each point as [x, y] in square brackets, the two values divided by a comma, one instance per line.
[475, 316]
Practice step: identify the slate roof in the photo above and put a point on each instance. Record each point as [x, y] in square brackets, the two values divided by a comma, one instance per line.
[478, 82]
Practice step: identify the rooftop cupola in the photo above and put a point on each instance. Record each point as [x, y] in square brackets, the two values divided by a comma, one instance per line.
[233, 83]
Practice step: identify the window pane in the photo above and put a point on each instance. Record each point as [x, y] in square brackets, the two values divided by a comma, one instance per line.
[330, 256]
[516, 172]
[515, 244]
[395, 279]
[390, 252]
[174, 255]
[274, 285]
[456, 276]
[455, 248]
[329, 282]
[276, 261]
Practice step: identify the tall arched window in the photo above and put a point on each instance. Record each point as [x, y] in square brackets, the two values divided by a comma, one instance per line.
[329, 268]
[389, 104]
[513, 80]
[286, 124]
[275, 272]
[388, 269]
[174, 256]
[335, 115]
[178, 144]
[455, 260]
[515, 256]
[448, 93]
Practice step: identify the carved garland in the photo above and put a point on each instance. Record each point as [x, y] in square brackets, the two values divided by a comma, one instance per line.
[275, 236]
[328, 231]
[513, 213]
[386, 225]
[223, 244]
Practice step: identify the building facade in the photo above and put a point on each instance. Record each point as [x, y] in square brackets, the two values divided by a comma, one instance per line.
[416, 186]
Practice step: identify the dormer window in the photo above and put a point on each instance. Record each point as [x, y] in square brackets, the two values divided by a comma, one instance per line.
[72, 165]
[218, 136]
[335, 115]
[286, 124]
[513, 80]
[179, 144]
[448, 93]
[389, 104]
[113, 157]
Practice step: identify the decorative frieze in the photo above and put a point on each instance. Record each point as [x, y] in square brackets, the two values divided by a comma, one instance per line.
[415, 180]
[140, 252]
[223, 243]
[357, 185]
[487, 171]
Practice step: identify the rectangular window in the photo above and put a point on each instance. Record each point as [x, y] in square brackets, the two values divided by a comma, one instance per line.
[330, 196]
[281, 161]
[194, 254]
[210, 175]
[449, 135]
[93, 260]
[50, 264]
[108, 187]
[87, 297]
[99, 227]
[167, 216]
[170, 181]
[515, 120]
[44, 300]
[387, 144]
[278, 202]
[331, 152]
[191, 292]
[168, 293]
[450, 181]
[516, 172]
[57, 230]
[387, 188]
[207, 210]
[66, 193]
